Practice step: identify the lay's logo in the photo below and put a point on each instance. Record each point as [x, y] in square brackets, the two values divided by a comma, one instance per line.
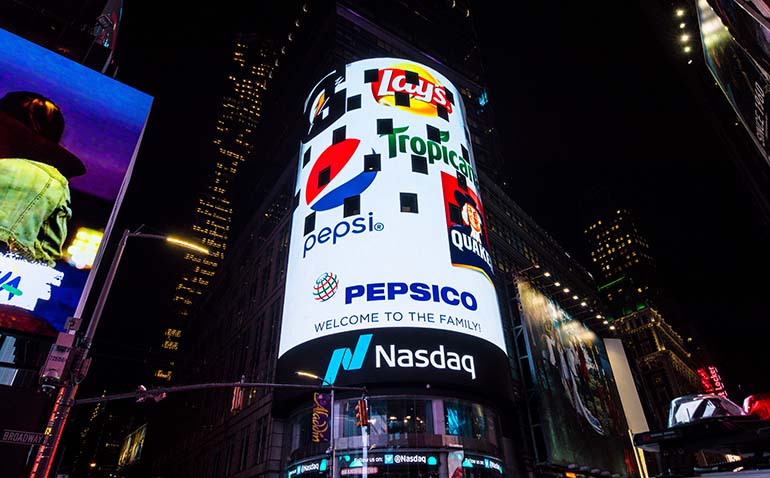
[411, 88]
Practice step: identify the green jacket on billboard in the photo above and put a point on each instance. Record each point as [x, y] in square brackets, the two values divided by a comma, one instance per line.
[35, 202]
[34, 209]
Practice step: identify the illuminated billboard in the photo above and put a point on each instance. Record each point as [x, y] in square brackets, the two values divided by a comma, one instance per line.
[736, 46]
[580, 412]
[68, 138]
[389, 274]
[131, 449]
[711, 381]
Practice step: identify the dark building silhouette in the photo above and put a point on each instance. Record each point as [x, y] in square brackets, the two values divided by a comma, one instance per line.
[232, 144]
[664, 366]
[621, 259]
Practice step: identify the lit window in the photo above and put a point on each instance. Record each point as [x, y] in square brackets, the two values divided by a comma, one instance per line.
[372, 162]
[173, 333]
[170, 345]
[409, 202]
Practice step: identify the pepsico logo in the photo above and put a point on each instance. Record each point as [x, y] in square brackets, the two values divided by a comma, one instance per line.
[426, 96]
[325, 286]
[327, 167]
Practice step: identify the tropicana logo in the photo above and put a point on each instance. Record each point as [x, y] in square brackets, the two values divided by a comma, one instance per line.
[428, 93]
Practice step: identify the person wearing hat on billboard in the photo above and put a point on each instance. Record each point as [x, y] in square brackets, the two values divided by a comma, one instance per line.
[34, 178]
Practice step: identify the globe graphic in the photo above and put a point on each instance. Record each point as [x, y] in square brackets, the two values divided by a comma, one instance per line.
[325, 286]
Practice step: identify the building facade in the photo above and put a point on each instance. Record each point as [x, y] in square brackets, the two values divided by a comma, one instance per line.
[240, 111]
[620, 256]
[664, 368]
[420, 424]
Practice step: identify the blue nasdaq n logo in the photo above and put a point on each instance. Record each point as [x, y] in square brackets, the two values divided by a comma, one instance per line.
[346, 359]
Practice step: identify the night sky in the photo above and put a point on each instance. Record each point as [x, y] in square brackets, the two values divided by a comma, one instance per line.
[586, 100]
[594, 102]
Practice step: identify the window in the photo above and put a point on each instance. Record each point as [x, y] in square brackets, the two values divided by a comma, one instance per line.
[419, 164]
[216, 463]
[244, 452]
[309, 223]
[385, 126]
[352, 206]
[409, 202]
[372, 162]
[228, 456]
[260, 440]
[324, 176]
[469, 420]
[354, 102]
[461, 181]
[390, 416]
[402, 99]
[338, 135]
[455, 215]
[433, 133]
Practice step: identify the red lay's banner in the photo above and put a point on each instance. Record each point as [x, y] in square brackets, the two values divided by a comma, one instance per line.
[426, 95]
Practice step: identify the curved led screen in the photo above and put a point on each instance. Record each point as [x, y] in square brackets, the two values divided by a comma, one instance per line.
[389, 274]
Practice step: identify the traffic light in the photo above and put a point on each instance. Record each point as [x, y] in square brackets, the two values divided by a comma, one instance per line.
[362, 413]
[143, 394]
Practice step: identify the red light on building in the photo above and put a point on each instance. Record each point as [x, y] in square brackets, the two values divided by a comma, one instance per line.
[712, 381]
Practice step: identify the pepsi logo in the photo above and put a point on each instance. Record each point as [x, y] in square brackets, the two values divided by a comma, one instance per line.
[320, 194]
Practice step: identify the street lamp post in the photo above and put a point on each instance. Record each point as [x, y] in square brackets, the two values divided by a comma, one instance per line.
[332, 432]
[332, 416]
[79, 365]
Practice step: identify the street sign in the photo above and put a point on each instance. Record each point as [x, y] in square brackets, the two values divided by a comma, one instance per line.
[19, 437]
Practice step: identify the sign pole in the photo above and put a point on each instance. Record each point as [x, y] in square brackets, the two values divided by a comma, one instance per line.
[365, 441]
[333, 444]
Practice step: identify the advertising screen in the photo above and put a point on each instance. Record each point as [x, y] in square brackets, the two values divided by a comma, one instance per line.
[68, 137]
[131, 449]
[580, 410]
[736, 46]
[389, 275]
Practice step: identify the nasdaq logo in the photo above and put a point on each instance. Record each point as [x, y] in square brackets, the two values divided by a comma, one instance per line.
[346, 359]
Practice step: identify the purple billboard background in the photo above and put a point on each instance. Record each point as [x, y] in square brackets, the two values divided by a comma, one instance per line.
[104, 118]
[104, 121]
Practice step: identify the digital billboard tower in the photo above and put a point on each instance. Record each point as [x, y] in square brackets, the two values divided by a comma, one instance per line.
[69, 137]
[389, 278]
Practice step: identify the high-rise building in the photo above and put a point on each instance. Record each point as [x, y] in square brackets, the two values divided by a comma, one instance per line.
[503, 417]
[621, 260]
[240, 111]
[665, 368]
[662, 363]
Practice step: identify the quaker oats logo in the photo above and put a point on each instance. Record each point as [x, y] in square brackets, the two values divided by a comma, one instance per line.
[472, 218]
[325, 286]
